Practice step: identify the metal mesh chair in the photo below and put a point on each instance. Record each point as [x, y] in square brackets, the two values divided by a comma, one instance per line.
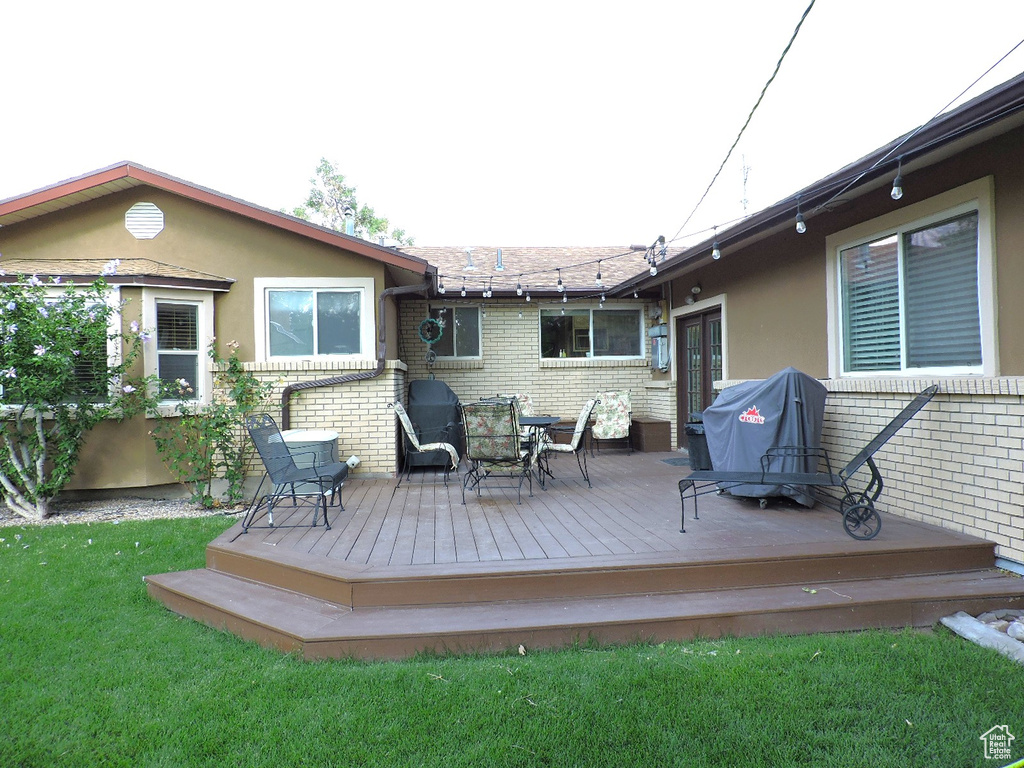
[494, 444]
[287, 480]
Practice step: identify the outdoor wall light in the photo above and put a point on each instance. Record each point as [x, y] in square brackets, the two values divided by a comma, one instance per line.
[897, 183]
[689, 300]
[696, 289]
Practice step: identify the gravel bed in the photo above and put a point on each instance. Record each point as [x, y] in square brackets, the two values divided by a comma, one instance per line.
[116, 510]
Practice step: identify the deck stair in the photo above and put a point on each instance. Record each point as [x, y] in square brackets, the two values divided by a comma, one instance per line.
[339, 610]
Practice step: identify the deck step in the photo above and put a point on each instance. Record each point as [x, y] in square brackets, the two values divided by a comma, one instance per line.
[321, 629]
[382, 586]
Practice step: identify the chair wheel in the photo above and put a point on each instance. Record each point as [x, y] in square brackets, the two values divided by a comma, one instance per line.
[862, 522]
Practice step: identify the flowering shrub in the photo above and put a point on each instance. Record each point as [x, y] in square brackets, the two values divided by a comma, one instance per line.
[58, 382]
[209, 440]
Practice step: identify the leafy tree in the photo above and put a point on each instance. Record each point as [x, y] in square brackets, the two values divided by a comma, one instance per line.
[330, 199]
[58, 382]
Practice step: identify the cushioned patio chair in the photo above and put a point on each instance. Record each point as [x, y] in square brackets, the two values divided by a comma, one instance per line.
[287, 480]
[495, 446]
[612, 418]
[576, 444]
[411, 444]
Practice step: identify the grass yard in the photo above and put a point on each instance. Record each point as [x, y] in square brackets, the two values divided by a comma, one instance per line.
[96, 673]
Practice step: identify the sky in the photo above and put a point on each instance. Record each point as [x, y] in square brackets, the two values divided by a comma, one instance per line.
[503, 124]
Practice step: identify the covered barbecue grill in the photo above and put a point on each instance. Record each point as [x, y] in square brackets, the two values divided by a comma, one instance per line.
[434, 412]
[750, 418]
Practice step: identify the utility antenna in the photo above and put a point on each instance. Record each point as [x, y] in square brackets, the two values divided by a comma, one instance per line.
[746, 174]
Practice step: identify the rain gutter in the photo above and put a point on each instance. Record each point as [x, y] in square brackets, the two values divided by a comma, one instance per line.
[381, 355]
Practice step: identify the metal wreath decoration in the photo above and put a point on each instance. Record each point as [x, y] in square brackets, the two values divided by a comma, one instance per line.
[431, 331]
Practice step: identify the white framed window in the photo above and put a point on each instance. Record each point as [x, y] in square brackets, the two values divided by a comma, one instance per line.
[460, 337]
[308, 318]
[913, 294]
[595, 333]
[180, 324]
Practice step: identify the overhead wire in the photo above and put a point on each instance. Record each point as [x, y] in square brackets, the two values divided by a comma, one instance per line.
[750, 116]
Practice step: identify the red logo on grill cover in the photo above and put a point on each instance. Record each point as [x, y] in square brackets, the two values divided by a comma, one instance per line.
[752, 416]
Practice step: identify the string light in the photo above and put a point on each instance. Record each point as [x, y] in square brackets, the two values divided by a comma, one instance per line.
[527, 293]
[561, 288]
[716, 252]
[564, 298]
[463, 293]
[801, 226]
[519, 286]
[897, 183]
[440, 285]
[597, 280]
[488, 291]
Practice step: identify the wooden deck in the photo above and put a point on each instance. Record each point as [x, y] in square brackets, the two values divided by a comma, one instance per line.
[410, 568]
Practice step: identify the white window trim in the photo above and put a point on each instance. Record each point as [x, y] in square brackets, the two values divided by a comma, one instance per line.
[204, 301]
[699, 307]
[976, 195]
[367, 316]
[480, 330]
[595, 308]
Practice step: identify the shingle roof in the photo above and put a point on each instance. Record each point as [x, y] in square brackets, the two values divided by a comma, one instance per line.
[129, 272]
[536, 267]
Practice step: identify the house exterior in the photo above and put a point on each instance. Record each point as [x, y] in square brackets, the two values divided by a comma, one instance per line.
[882, 295]
[197, 265]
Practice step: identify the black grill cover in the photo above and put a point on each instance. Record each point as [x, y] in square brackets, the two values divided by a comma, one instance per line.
[749, 418]
[432, 407]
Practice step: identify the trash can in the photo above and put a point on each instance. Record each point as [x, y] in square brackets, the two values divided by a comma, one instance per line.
[697, 442]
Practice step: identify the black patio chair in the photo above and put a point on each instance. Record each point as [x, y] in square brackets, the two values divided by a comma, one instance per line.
[287, 480]
[495, 445]
[860, 518]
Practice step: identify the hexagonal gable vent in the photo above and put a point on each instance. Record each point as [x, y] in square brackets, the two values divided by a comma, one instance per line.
[144, 220]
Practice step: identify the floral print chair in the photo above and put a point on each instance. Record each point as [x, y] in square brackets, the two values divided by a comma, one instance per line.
[494, 445]
[525, 405]
[612, 418]
[412, 444]
[576, 445]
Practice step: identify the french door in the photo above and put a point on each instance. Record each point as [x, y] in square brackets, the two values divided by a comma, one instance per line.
[699, 360]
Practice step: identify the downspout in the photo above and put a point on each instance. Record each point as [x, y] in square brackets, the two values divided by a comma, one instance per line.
[381, 355]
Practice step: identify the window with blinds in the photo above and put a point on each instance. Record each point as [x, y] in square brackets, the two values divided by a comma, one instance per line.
[910, 300]
[177, 343]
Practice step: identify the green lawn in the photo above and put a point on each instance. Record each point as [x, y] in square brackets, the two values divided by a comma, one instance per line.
[96, 673]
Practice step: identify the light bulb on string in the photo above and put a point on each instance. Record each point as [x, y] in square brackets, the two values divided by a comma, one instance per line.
[597, 280]
[563, 310]
[519, 286]
[440, 285]
[561, 288]
[897, 183]
[654, 269]
[564, 298]
[520, 314]
[527, 293]
[716, 252]
[801, 225]
[463, 291]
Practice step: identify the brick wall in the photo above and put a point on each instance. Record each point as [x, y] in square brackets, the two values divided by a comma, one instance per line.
[511, 363]
[958, 464]
[357, 410]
